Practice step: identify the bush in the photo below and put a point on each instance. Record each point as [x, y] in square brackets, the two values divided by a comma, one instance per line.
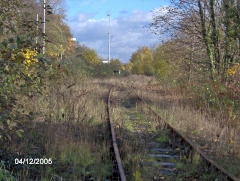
[22, 74]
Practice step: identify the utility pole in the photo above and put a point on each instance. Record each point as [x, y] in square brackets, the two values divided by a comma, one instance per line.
[44, 26]
[37, 21]
[238, 39]
[109, 41]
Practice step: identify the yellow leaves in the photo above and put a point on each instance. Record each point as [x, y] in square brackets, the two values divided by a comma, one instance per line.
[26, 56]
[233, 70]
[137, 176]
[27, 62]
[141, 61]
[123, 67]
[91, 56]
[142, 55]
[53, 53]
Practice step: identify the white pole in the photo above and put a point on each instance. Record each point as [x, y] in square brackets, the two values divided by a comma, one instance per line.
[109, 41]
[61, 54]
[44, 25]
[37, 30]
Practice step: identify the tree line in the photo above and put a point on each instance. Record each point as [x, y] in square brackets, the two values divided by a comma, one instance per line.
[210, 27]
[201, 53]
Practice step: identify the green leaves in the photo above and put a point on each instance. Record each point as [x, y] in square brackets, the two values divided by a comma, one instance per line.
[5, 174]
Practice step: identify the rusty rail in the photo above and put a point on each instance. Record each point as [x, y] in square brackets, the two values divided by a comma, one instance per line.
[114, 141]
[187, 140]
[194, 146]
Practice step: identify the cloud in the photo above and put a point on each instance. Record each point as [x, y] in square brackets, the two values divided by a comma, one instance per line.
[128, 33]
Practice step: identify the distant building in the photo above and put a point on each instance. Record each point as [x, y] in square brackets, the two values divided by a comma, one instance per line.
[104, 61]
[73, 42]
[74, 39]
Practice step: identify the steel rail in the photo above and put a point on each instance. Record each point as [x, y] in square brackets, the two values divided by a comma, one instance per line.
[194, 146]
[114, 140]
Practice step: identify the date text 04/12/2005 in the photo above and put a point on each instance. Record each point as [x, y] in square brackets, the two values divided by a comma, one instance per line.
[33, 161]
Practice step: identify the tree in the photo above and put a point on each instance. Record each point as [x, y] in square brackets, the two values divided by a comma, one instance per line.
[117, 65]
[162, 62]
[218, 21]
[9, 16]
[58, 36]
[141, 61]
[231, 28]
[87, 55]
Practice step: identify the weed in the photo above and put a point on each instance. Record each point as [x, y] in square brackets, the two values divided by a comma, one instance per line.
[5, 174]
[162, 139]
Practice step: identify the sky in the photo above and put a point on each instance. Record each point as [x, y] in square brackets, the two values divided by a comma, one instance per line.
[129, 20]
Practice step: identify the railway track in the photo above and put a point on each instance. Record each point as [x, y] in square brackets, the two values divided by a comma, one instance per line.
[118, 173]
[145, 147]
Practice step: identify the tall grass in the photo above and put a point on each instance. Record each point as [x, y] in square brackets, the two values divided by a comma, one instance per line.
[69, 125]
[215, 128]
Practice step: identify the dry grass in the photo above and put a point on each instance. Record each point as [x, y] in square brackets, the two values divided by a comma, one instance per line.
[181, 113]
[214, 133]
[65, 117]
[68, 125]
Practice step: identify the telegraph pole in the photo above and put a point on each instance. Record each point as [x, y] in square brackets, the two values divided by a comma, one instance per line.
[44, 26]
[109, 41]
[37, 22]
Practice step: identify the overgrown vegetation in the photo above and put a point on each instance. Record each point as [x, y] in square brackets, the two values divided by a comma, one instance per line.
[86, 60]
[138, 133]
[201, 60]
[50, 107]
[48, 110]
[212, 132]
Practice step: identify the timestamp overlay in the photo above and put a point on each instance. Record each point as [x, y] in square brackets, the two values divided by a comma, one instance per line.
[33, 161]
